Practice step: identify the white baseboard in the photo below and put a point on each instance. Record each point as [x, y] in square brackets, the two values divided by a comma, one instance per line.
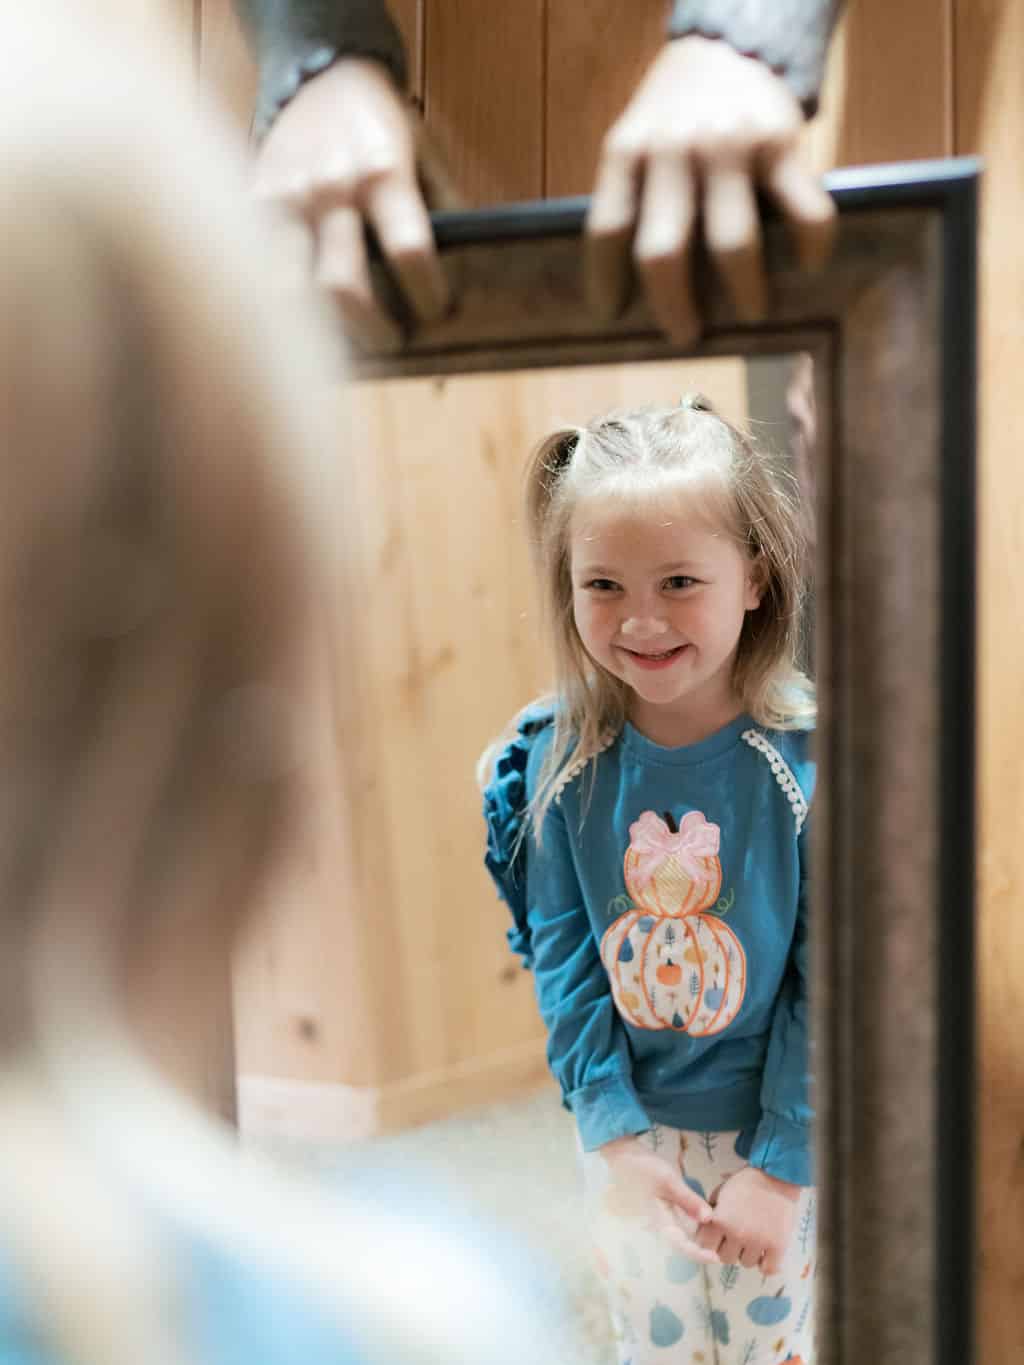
[276, 1109]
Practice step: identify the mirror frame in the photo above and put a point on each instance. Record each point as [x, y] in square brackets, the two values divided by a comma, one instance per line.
[891, 324]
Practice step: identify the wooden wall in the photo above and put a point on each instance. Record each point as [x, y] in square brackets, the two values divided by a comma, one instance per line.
[519, 94]
[989, 107]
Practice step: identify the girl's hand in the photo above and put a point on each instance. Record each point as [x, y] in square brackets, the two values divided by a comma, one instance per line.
[640, 1182]
[753, 1220]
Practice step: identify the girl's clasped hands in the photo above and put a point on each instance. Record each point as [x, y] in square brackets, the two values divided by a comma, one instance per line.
[747, 1220]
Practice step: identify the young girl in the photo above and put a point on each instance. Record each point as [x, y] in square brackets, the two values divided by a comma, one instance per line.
[648, 828]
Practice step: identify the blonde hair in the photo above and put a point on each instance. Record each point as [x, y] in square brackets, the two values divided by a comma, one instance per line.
[660, 452]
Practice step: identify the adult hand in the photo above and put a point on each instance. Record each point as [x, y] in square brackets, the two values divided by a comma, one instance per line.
[754, 1215]
[705, 129]
[344, 151]
[642, 1184]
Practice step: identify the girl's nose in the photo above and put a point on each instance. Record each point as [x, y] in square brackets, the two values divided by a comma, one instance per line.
[644, 626]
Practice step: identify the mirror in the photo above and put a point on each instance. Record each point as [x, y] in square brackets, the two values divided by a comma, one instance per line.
[432, 1019]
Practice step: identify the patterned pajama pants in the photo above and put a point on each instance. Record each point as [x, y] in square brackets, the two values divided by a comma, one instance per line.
[666, 1308]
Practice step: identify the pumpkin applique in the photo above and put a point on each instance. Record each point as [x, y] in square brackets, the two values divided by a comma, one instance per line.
[671, 963]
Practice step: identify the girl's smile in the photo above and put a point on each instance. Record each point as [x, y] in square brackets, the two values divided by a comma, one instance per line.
[654, 661]
[659, 601]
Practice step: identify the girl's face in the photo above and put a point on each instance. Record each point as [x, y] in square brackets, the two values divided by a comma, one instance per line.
[659, 600]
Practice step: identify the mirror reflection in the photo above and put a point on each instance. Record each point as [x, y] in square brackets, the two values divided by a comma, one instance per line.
[589, 586]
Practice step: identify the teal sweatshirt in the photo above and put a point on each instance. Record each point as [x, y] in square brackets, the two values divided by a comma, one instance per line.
[664, 916]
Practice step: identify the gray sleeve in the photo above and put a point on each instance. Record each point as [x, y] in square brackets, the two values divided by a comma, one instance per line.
[294, 40]
[790, 36]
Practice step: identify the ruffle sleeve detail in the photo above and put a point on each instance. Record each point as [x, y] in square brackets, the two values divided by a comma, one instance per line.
[505, 799]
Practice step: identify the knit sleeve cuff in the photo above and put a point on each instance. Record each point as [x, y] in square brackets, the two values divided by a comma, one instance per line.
[606, 1110]
[783, 1149]
[298, 41]
[790, 36]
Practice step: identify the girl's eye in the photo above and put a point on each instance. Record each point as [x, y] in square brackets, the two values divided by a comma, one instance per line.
[679, 580]
[602, 584]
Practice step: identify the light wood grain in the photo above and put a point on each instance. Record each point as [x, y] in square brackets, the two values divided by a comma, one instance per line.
[990, 110]
[484, 95]
[888, 93]
[596, 54]
[301, 1001]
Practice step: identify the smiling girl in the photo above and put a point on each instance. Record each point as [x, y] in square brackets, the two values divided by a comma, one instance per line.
[647, 826]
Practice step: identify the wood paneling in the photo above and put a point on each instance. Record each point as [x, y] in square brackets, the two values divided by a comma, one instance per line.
[596, 55]
[484, 95]
[888, 92]
[990, 115]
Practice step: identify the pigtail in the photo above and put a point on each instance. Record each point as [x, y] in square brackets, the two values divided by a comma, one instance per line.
[545, 468]
[548, 462]
[589, 705]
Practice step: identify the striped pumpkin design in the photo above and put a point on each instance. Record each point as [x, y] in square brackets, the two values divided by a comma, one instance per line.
[672, 965]
[667, 971]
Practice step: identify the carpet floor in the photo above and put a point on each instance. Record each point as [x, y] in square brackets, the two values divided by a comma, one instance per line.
[513, 1166]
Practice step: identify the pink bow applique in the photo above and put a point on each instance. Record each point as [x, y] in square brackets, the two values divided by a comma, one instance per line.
[652, 841]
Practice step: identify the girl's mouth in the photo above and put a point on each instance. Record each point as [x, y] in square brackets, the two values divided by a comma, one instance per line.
[654, 661]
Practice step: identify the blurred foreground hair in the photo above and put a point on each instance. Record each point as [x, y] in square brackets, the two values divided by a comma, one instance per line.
[163, 541]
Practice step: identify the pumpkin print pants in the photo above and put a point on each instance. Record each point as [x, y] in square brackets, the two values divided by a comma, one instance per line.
[666, 1308]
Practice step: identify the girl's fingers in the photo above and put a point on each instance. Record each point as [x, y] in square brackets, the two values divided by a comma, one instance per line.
[771, 1263]
[713, 1196]
[689, 1248]
[729, 1252]
[678, 1194]
[749, 1256]
[710, 1237]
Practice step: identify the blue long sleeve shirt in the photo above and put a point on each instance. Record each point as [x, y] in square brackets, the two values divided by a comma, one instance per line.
[664, 915]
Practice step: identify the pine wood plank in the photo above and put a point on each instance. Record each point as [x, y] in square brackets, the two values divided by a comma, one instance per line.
[990, 112]
[484, 95]
[597, 52]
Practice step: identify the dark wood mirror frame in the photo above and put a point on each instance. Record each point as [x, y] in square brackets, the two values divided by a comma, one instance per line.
[891, 326]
